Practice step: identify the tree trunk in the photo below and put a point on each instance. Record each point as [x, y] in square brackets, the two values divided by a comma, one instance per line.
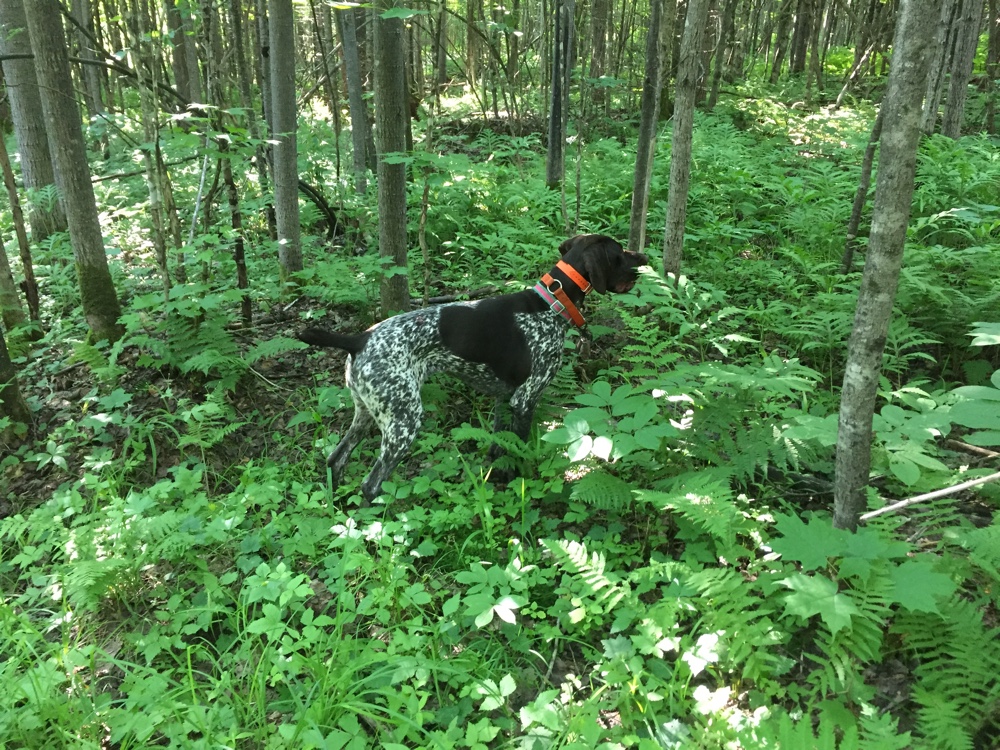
[861, 195]
[646, 147]
[992, 64]
[89, 72]
[72, 172]
[11, 311]
[688, 71]
[45, 216]
[179, 41]
[599, 51]
[473, 12]
[9, 301]
[390, 133]
[554, 159]
[966, 39]
[441, 52]
[801, 35]
[673, 16]
[283, 112]
[781, 38]
[942, 43]
[264, 73]
[361, 130]
[143, 58]
[893, 194]
[721, 58]
[12, 403]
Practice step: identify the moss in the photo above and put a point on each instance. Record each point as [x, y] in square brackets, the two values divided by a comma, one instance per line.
[100, 302]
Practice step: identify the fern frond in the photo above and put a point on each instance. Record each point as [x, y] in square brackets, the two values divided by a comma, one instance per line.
[602, 490]
[958, 671]
[510, 442]
[782, 732]
[606, 588]
[940, 720]
[272, 348]
[746, 623]
[704, 499]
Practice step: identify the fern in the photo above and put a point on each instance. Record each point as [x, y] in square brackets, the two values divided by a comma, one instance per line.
[984, 548]
[957, 674]
[731, 607]
[604, 587]
[87, 581]
[272, 348]
[940, 720]
[784, 733]
[510, 442]
[602, 490]
[705, 500]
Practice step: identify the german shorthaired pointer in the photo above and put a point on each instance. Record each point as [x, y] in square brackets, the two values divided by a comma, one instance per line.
[509, 346]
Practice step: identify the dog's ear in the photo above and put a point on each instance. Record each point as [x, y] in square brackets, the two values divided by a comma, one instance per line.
[567, 245]
[603, 260]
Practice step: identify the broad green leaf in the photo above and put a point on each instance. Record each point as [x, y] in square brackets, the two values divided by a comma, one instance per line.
[403, 13]
[507, 685]
[977, 414]
[986, 334]
[543, 710]
[810, 544]
[985, 438]
[602, 448]
[922, 459]
[893, 414]
[870, 544]
[979, 392]
[917, 587]
[490, 692]
[580, 449]
[905, 470]
[506, 609]
[816, 595]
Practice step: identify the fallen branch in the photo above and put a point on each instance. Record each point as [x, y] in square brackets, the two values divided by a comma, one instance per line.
[931, 496]
[959, 445]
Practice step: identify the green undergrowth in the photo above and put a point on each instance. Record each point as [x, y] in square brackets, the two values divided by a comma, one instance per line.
[663, 572]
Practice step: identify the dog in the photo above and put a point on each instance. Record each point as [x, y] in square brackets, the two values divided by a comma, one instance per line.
[509, 346]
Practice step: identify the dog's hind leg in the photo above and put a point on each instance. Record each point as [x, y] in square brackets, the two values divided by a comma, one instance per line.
[341, 454]
[398, 433]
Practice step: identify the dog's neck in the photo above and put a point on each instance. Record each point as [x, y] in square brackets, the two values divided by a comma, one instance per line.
[564, 293]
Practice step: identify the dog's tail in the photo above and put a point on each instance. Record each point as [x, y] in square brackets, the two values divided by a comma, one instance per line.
[352, 343]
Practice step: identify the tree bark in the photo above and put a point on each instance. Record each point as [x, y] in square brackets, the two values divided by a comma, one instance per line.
[721, 62]
[72, 172]
[12, 403]
[992, 64]
[942, 43]
[688, 72]
[90, 73]
[599, 51]
[893, 195]
[286, 177]
[801, 35]
[9, 300]
[554, 158]
[861, 195]
[646, 147]
[362, 143]
[45, 217]
[390, 133]
[966, 39]
[781, 38]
